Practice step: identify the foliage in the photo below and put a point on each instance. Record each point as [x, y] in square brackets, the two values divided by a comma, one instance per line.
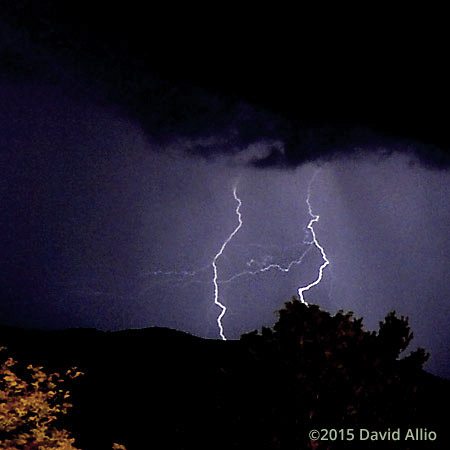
[31, 406]
[323, 369]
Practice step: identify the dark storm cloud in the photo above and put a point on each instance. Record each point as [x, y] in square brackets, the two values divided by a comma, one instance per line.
[228, 98]
[218, 125]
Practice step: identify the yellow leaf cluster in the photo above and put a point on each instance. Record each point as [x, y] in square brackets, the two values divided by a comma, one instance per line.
[30, 407]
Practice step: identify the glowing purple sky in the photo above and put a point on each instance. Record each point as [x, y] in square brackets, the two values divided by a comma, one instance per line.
[91, 213]
[120, 148]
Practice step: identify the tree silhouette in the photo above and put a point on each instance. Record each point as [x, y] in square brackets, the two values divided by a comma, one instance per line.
[323, 369]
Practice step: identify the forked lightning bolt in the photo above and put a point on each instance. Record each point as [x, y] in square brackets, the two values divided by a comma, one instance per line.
[265, 266]
[315, 219]
[214, 265]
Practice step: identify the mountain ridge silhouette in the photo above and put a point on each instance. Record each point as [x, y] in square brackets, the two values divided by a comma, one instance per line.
[166, 388]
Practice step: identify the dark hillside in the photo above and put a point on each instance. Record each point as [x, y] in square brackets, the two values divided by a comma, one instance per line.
[139, 386]
[161, 388]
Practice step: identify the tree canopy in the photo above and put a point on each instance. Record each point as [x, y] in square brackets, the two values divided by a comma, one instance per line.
[326, 369]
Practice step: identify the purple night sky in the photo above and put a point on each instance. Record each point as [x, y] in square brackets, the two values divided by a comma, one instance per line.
[111, 216]
[98, 235]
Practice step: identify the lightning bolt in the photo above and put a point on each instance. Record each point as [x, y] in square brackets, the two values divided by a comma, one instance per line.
[314, 219]
[264, 266]
[267, 268]
[312, 243]
[177, 277]
[214, 265]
